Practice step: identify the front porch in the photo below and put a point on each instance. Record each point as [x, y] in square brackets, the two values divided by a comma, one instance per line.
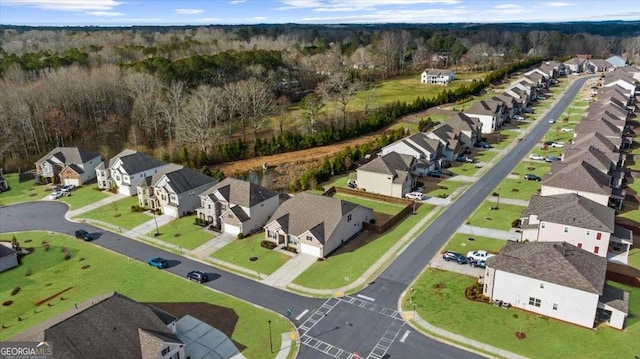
[620, 245]
[613, 307]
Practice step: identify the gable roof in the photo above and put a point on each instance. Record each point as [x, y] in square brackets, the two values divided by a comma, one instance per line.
[571, 153]
[135, 162]
[483, 107]
[69, 155]
[553, 262]
[593, 156]
[462, 122]
[575, 61]
[395, 164]
[596, 139]
[243, 193]
[438, 72]
[578, 176]
[183, 179]
[600, 63]
[319, 214]
[420, 143]
[6, 251]
[572, 210]
[109, 328]
[604, 127]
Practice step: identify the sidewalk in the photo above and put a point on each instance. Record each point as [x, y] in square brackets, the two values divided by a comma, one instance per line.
[284, 275]
[516, 202]
[103, 202]
[491, 233]
[143, 229]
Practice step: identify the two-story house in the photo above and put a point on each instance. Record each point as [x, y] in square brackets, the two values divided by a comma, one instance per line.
[391, 175]
[235, 206]
[575, 64]
[490, 113]
[425, 150]
[127, 170]
[68, 165]
[438, 77]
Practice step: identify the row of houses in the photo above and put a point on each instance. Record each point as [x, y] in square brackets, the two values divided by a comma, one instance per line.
[584, 63]
[568, 232]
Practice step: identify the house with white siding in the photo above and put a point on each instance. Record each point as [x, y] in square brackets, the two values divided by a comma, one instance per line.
[557, 280]
[437, 77]
[492, 114]
[68, 165]
[390, 175]
[127, 170]
[316, 225]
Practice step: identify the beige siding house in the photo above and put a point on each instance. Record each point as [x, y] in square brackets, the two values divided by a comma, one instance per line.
[390, 175]
[69, 165]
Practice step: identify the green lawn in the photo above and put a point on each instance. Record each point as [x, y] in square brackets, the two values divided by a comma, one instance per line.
[22, 192]
[184, 233]
[376, 206]
[84, 195]
[485, 156]
[111, 272]
[412, 127]
[634, 213]
[495, 219]
[446, 188]
[517, 189]
[239, 251]
[439, 298]
[634, 257]
[331, 273]
[460, 243]
[464, 169]
[538, 168]
[119, 214]
[555, 134]
[506, 138]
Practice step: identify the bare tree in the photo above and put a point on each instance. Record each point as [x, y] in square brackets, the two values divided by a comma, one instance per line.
[174, 96]
[311, 105]
[258, 99]
[338, 87]
[196, 122]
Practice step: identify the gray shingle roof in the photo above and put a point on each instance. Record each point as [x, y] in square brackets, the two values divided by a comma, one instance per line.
[554, 262]
[438, 72]
[108, 329]
[615, 298]
[69, 155]
[573, 210]
[393, 163]
[138, 162]
[578, 176]
[6, 251]
[184, 179]
[604, 127]
[306, 211]
[597, 140]
[593, 156]
[573, 152]
[483, 107]
[243, 193]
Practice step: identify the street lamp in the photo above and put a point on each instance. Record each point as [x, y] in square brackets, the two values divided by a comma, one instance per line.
[498, 201]
[270, 341]
[156, 221]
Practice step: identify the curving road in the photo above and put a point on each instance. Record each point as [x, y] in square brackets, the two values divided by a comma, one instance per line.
[368, 322]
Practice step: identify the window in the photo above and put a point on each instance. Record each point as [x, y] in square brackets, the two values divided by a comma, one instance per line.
[579, 245]
[542, 285]
[596, 250]
[542, 224]
[349, 218]
[566, 229]
[175, 356]
[588, 233]
[534, 301]
[165, 351]
[309, 238]
[208, 206]
[555, 306]
[598, 236]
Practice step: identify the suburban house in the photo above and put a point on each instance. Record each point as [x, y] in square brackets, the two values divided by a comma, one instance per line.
[118, 327]
[575, 64]
[625, 81]
[538, 79]
[438, 77]
[579, 221]
[607, 164]
[425, 150]
[560, 68]
[467, 128]
[316, 225]
[175, 190]
[552, 72]
[617, 61]
[557, 280]
[127, 170]
[490, 113]
[8, 256]
[235, 206]
[450, 140]
[390, 175]
[581, 178]
[511, 105]
[596, 139]
[599, 65]
[69, 165]
[520, 95]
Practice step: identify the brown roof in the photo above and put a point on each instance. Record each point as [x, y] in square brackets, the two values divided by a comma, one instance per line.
[394, 164]
[461, 122]
[596, 139]
[484, 107]
[604, 127]
[243, 193]
[593, 156]
[615, 298]
[572, 210]
[578, 176]
[572, 152]
[69, 155]
[553, 262]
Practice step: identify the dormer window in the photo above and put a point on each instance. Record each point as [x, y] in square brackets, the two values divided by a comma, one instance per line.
[165, 351]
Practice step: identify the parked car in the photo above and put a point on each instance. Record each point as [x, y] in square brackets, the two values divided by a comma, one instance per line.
[84, 235]
[540, 97]
[67, 188]
[158, 262]
[549, 143]
[533, 156]
[551, 120]
[532, 177]
[557, 144]
[566, 129]
[479, 255]
[453, 256]
[58, 194]
[466, 159]
[553, 159]
[414, 195]
[518, 118]
[436, 174]
[197, 276]
[478, 263]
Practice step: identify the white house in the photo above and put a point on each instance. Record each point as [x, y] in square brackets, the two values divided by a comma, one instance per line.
[490, 113]
[175, 190]
[579, 221]
[557, 280]
[628, 83]
[71, 165]
[390, 175]
[127, 170]
[580, 178]
[236, 206]
[575, 64]
[316, 225]
[438, 77]
[617, 61]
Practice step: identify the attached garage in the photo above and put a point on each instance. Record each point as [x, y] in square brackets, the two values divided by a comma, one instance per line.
[170, 211]
[311, 250]
[231, 229]
[73, 181]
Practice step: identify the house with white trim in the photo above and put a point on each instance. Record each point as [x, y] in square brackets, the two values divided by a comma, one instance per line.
[69, 165]
[437, 77]
[390, 175]
[127, 170]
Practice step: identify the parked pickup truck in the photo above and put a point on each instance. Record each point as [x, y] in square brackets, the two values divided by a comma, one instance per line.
[479, 255]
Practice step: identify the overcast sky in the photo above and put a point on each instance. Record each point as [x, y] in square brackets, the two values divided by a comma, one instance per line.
[185, 12]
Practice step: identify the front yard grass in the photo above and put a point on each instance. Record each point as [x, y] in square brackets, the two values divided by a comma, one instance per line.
[22, 192]
[84, 195]
[517, 188]
[183, 232]
[239, 251]
[464, 169]
[500, 219]
[445, 188]
[376, 206]
[538, 168]
[485, 155]
[506, 138]
[439, 298]
[118, 213]
[110, 272]
[634, 258]
[331, 272]
[460, 243]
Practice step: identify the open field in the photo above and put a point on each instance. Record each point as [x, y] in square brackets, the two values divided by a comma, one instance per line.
[500, 218]
[118, 213]
[22, 192]
[184, 233]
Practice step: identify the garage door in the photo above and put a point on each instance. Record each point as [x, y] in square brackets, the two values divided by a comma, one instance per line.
[314, 251]
[231, 229]
[170, 211]
[73, 181]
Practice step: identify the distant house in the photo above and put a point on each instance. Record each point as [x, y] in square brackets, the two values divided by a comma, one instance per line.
[8, 257]
[617, 61]
[491, 113]
[437, 77]
[576, 64]
[175, 190]
[69, 165]
[127, 170]
[627, 82]
[557, 280]
[236, 206]
[599, 65]
[316, 225]
[391, 175]
[579, 221]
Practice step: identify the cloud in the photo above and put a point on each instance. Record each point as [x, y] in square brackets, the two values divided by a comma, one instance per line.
[355, 5]
[260, 18]
[509, 9]
[557, 4]
[408, 16]
[508, 6]
[66, 5]
[104, 13]
[189, 11]
[236, 2]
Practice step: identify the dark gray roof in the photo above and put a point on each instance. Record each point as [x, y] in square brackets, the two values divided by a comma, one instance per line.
[243, 193]
[69, 155]
[393, 164]
[593, 156]
[6, 251]
[239, 213]
[578, 176]
[572, 210]
[185, 179]
[421, 143]
[136, 162]
[483, 107]
[108, 329]
[75, 168]
[597, 140]
[553, 262]
[615, 298]
[306, 211]
[604, 127]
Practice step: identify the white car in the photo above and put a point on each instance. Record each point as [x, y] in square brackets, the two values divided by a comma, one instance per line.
[479, 255]
[533, 156]
[566, 129]
[518, 118]
[414, 195]
[67, 188]
[58, 194]
[552, 121]
[557, 144]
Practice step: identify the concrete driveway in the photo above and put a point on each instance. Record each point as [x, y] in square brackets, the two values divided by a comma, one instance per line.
[438, 262]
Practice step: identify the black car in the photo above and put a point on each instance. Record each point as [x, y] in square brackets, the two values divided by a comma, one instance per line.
[453, 256]
[82, 234]
[553, 159]
[436, 174]
[478, 264]
[532, 177]
[549, 143]
[197, 276]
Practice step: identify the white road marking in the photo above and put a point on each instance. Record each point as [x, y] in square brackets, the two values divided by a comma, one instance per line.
[404, 337]
[302, 314]
[365, 297]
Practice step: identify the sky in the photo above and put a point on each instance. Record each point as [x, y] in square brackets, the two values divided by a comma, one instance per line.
[186, 12]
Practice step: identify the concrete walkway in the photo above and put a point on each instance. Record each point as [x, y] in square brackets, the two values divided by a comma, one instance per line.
[103, 202]
[516, 202]
[285, 346]
[149, 226]
[437, 201]
[205, 249]
[284, 275]
[491, 233]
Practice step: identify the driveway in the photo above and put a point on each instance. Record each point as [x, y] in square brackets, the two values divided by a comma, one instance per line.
[439, 263]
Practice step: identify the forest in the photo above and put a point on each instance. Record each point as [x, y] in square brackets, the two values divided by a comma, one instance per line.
[223, 93]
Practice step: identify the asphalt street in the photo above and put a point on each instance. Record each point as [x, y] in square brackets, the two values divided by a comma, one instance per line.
[367, 322]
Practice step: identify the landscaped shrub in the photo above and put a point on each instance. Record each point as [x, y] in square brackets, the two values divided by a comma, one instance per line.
[495, 194]
[67, 253]
[516, 223]
[15, 291]
[46, 246]
[240, 235]
[291, 249]
[137, 208]
[268, 244]
[28, 272]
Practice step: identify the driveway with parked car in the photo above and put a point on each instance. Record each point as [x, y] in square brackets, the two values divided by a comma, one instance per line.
[453, 266]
